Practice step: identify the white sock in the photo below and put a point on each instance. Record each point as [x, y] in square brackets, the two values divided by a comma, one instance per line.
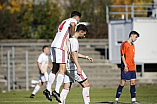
[63, 95]
[36, 89]
[59, 81]
[133, 99]
[116, 99]
[85, 94]
[50, 81]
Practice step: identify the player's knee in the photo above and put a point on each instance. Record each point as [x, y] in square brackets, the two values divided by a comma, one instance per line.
[132, 83]
[122, 84]
[40, 84]
[87, 85]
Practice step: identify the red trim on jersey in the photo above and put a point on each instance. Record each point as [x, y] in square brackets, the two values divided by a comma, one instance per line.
[87, 96]
[66, 34]
[63, 56]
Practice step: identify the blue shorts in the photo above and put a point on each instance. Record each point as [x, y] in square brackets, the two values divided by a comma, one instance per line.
[128, 76]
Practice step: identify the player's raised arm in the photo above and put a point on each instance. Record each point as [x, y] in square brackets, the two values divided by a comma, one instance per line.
[85, 57]
[75, 59]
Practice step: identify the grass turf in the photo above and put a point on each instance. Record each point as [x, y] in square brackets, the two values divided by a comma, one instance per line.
[145, 95]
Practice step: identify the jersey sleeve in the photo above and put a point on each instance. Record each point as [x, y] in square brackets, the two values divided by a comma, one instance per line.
[73, 20]
[74, 45]
[123, 49]
[40, 58]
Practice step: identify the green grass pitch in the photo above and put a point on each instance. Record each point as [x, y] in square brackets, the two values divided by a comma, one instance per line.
[145, 94]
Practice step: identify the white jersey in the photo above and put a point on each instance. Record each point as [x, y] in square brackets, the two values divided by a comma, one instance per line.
[73, 46]
[62, 36]
[43, 60]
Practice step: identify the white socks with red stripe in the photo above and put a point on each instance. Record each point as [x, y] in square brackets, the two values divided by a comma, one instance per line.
[63, 95]
[50, 81]
[85, 94]
[59, 81]
[36, 89]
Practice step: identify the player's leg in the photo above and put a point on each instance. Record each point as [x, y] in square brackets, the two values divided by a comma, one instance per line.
[82, 80]
[124, 77]
[132, 87]
[60, 77]
[52, 75]
[51, 78]
[59, 81]
[62, 60]
[65, 92]
[85, 91]
[36, 89]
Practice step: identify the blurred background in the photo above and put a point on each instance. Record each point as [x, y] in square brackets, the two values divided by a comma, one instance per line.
[27, 25]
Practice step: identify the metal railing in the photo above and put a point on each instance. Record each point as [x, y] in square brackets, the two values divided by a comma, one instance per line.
[13, 63]
[130, 11]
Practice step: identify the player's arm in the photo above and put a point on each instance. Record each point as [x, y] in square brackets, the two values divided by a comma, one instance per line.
[75, 59]
[72, 28]
[85, 57]
[126, 67]
[39, 66]
[49, 67]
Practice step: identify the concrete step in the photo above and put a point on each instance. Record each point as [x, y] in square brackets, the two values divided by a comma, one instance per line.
[3, 83]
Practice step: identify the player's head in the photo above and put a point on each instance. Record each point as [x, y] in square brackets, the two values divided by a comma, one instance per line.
[76, 15]
[45, 49]
[134, 35]
[82, 30]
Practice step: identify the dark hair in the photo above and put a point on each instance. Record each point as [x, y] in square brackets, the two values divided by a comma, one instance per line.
[45, 46]
[75, 13]
[134, 32]
[81, 27]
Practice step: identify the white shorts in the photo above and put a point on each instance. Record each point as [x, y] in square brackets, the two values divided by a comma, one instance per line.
[58, 55]
[72, 76]
[43, 77]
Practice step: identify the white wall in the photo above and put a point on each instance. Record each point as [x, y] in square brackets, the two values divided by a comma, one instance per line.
[146, 45]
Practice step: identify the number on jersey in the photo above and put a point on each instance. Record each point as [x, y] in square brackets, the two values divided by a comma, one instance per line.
[61, 26]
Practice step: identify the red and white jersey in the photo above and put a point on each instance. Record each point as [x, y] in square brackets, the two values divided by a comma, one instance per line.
[73, 47]
[62, 36]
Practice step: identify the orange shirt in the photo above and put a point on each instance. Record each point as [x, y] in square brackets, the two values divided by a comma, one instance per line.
[129, 52]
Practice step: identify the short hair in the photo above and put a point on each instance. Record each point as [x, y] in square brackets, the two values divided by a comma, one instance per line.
[81, 27]
[45, 46]
[75, 13]
[134, 32]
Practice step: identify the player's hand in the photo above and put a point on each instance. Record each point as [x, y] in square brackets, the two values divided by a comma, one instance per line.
[51, 68]
[90, 59]
[125, 69]
[42, 72]
[79, 71]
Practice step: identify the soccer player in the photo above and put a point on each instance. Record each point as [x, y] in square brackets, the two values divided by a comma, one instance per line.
[41, 63]
[128, 71]
[74, 71]
[59, 50]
